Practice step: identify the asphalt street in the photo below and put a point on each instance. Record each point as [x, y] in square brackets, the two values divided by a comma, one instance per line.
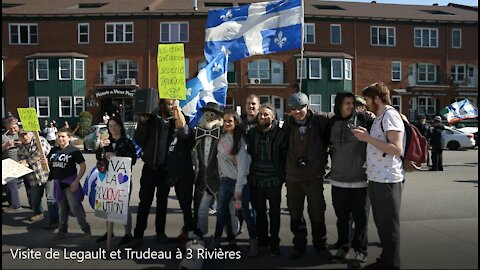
[439, 229]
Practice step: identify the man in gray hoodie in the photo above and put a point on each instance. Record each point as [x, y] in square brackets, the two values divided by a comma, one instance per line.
[348, 176]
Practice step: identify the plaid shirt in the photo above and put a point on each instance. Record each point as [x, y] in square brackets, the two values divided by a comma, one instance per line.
[30, 153]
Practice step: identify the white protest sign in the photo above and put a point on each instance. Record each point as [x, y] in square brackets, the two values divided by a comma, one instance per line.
[113, 187]
[12, 170]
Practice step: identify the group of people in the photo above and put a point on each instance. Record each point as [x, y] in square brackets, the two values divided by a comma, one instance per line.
[50, 129]
[244, 161]
[434, 139]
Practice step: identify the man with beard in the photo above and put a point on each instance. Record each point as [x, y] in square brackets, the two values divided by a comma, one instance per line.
[267, 146]
[252, 105]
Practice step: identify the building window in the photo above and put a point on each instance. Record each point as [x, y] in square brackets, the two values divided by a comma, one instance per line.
[79, 105]
[335, 34]
[309, 33]
[315, 103]
[118, 32]
[65, 106]
[79, 69]
[174, 32]
[457, 38]
[23, 34]
[301, 68]
[332, 103]
[315, 70]
[187, 68]
[397, 103]
[396, 71]
[348, 69]
[426, 37]
[427, 73]
[259, 69]
[64, 69]
[43, 107]
[458, 73]
[426, 106]
[382, 36]
[83, 33]
[336, 69]
[31, 102]
[119, 72]
[42, 69]
[201, 64]
[31, 70]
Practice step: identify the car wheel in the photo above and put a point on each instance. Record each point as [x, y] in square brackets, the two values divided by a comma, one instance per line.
[453, 145]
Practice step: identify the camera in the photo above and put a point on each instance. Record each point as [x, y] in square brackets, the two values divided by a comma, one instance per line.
[302, 163]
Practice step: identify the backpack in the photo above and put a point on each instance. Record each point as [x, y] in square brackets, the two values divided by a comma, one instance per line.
[416, 149]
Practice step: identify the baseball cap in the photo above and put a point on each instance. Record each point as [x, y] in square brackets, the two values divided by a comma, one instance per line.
[22, 131]
[360, 101]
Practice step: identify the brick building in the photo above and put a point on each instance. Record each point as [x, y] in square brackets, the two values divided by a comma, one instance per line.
[66, 56]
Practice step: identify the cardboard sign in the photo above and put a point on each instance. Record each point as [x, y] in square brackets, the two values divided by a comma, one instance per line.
[171, 71]
[113, 187]
[12, 170]
[29, 119]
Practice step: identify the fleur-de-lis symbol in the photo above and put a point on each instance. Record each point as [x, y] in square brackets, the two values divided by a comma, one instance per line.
[189, 91]
[216, 67]
[226, 51]
[280, 39]
[227, 16]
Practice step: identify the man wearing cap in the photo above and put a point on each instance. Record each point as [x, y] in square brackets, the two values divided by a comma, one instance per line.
[436, 143]
[360, 104]
[29, 155]
[305, 169]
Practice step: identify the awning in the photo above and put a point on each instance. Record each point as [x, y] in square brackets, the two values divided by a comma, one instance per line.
[57, 54]
[114, 92]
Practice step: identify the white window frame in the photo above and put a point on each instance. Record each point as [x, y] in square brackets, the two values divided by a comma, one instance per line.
[60, 106]
[426, 106]
[31, 72]
[36, 69]
[18, 25]
[348, 71]
[426, 72]
[37, 103]
[455, 75]
[310, 104]
[394, 71]
[60, 69]
[400, 102]
[82, 34]
[299, 62]
[32, 102]
[76, 113]
[341, 68]
[114, 24]
[75, 69]
[331, 34]
[430, 30]
[332, 102]
[378, 36]
[257, 62]
[459, 36]
[305, 40]
[179, 32]
[310, 76]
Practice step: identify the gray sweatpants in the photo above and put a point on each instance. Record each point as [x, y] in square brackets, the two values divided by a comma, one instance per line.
[386, 200]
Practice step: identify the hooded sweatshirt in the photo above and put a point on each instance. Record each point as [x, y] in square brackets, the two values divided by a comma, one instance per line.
[348, 154]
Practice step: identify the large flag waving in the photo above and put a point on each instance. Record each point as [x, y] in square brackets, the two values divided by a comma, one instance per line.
[210, 85]
[253, 29]
[459, 110]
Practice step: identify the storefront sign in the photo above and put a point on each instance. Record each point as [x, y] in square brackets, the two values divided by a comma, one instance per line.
[468, 94]
[171, 71]
[111, 92]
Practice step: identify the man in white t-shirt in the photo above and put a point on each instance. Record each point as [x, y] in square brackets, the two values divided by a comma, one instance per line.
[385, 146]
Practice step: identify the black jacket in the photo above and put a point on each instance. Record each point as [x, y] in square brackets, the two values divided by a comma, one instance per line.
[124, 148]
[179, 162]
[436, 138]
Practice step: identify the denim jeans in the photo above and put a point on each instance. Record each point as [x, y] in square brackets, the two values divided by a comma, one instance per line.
[36, 193]
[202, 206]
[247, 213]
[52, 204]
[12, 192]
[70, 202]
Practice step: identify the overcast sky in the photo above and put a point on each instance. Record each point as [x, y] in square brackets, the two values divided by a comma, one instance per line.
[420, 2]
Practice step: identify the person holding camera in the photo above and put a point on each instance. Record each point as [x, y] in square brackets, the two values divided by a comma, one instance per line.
[305, 169]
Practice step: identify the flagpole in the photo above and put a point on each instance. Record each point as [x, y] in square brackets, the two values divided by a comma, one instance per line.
[301, 50]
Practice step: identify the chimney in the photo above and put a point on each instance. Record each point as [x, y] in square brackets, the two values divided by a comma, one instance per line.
[195, 5]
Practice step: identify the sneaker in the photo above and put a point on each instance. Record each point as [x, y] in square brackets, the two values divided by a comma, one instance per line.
[125, 240]
[36, 218]
[162, 238]
[87, 236]
[212, 211]
[360, 257]
[253, 251]
[296, 253]
[59, 235]
[274, 251]
[135, 243]
[340, 255]
[12, 209]
[51, 226]
[102, 238]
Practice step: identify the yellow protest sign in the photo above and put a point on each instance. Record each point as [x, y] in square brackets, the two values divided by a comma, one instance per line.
[29, 119]
[171, 71]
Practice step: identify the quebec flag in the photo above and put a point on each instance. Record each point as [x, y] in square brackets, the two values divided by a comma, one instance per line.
[459, 110]
[254, 29]
[210, 85]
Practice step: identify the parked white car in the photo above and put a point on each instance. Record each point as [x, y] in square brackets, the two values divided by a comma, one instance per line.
[454, 139]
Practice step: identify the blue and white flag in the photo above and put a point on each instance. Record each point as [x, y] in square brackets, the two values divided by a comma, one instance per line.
[459, 110]
[210, 85]
[254, 29]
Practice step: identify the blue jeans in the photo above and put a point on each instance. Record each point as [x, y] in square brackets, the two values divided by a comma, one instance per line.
[36, 194]
[247, 214]
[12, 192]
[71, 203]
[53, 213]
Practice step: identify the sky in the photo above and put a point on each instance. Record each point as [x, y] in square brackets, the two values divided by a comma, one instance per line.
[420, 2]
